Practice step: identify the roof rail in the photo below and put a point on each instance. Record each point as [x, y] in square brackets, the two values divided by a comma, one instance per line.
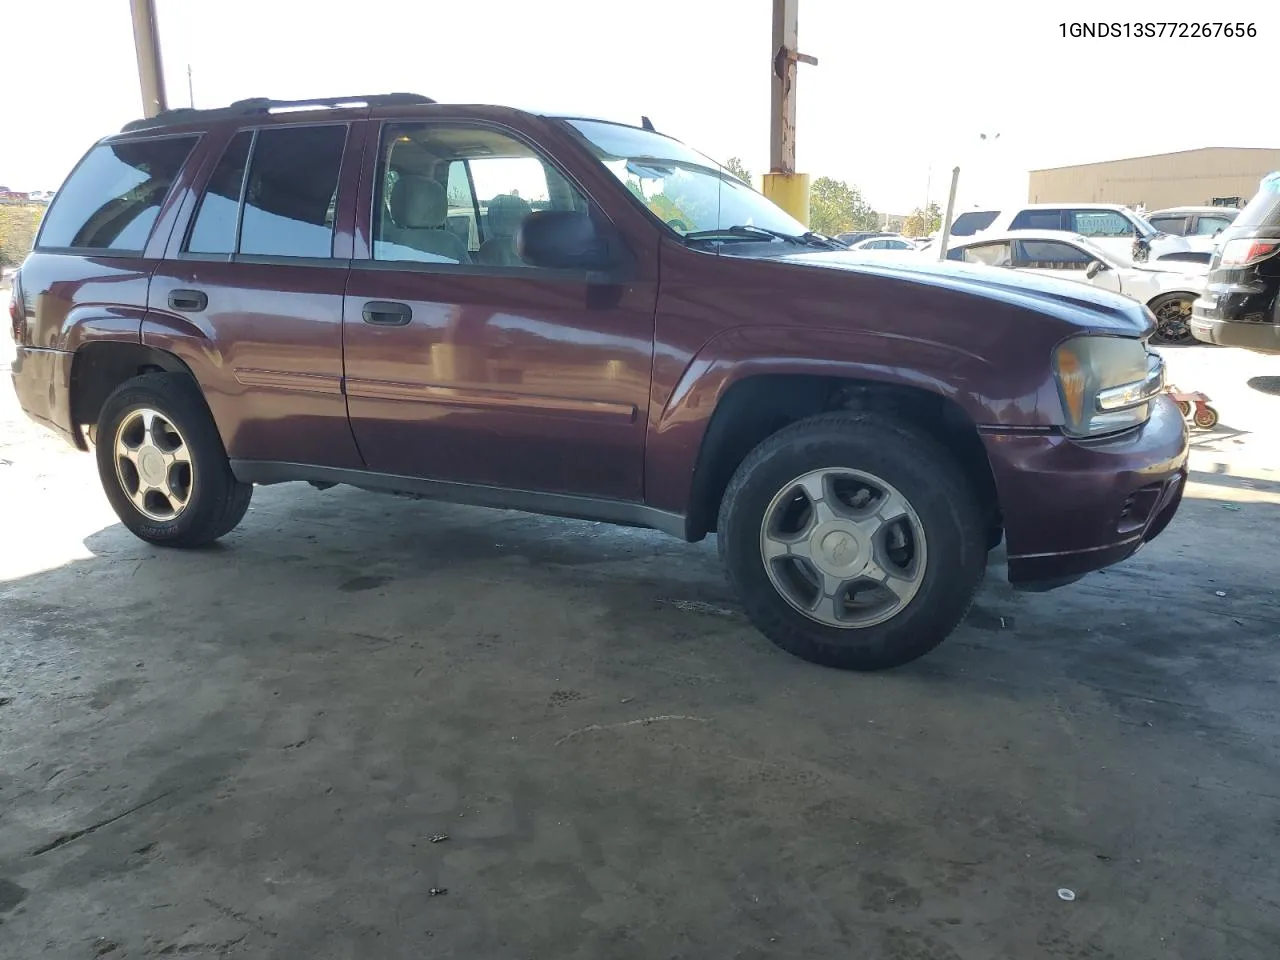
[257, 106]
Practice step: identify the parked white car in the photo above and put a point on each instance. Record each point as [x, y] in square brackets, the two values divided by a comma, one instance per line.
[890, 242]
[1168, 289]
[1193, 221]
[1120, 231]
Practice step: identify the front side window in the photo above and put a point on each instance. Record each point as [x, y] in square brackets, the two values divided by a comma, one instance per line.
[292, 190]
[456, 194]
[686, 190]
[112, 199]
[1051, 255]
[1100, 223]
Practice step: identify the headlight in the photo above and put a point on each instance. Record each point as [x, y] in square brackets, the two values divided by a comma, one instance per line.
[1106, 383]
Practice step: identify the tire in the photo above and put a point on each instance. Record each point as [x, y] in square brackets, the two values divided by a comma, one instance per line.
[1206, 417]
[1173, 319]
[891, 452]
[214, 503]
[1185, 407]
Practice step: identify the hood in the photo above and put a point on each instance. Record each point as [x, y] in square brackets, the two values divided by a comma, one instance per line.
[1076, 303]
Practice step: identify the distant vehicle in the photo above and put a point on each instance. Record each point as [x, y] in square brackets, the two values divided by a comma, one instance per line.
[888, 241]
[1241, 304]
[849, 239]
[1168, 291]
[1193, 221]
[41, 196]
[1116, 228]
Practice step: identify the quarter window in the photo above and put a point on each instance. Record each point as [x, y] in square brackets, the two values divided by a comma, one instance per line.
[292, 192]
[457, 194]
[1037, 220]
[112, 199]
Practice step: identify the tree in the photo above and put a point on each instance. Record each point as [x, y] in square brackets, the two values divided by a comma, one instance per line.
[836, 207]
[735, 167]
[917, 225]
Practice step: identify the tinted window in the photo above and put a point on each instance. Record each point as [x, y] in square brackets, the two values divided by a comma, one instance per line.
[1100, 223]
[1264, 209]
[1037, 220]
[1173, 225]
[457, 195]
[292, 192]
[112, 199]
[1050, 255]
[215, 225]
[967, 224]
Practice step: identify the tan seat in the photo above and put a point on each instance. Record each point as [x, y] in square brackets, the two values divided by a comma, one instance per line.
[419, 211]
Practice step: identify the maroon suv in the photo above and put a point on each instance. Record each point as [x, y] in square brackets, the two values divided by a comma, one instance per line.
[588, 319]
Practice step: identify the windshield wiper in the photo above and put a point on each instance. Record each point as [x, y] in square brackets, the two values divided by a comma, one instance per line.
[749, 232]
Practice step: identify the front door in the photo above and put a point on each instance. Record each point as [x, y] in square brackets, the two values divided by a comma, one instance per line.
[1058, 258]
[251, 295]
[465, 364]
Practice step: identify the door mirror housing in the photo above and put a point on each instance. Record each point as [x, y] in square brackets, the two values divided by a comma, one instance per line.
[1094, 268]
[564, 240]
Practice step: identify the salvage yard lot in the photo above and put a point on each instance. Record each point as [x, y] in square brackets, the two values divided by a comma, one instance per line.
[247, 751]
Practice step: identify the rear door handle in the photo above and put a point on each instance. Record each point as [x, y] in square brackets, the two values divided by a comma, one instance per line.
[387, 313]
[188, 301]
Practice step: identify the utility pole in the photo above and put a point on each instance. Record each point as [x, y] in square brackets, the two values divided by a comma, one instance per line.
[191, 91]
[788, 189]
[146, 41]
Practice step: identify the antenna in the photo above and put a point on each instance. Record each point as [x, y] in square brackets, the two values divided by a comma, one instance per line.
[647, 124]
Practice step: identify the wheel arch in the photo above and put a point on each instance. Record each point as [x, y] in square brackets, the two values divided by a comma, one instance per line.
[754, 407]
[100, 366]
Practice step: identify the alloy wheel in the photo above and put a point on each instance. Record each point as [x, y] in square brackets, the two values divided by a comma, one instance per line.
[843, 547]
[153, 464]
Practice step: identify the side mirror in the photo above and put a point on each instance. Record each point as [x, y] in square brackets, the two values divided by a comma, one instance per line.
[1094, 268]
[563, 240]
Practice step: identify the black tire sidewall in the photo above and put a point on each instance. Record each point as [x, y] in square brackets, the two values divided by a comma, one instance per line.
[178, 401]
[1157, 337]
[937, 491]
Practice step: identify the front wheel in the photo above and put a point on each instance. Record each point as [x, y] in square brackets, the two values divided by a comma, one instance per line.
[853, 540]
[1173, 319]
[163, 466]
[1206, 417]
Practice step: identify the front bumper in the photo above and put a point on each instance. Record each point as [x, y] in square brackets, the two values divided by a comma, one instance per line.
[1071, 508]
[42, 381]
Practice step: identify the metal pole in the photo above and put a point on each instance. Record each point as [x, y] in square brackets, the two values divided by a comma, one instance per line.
[788, 189]
[146, 41]
[946, 222]
[191, 91]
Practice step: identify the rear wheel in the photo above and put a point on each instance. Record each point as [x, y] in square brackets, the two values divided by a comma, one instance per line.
[853, 540]
[1173, 319]
[163, 466]
[1206, 417]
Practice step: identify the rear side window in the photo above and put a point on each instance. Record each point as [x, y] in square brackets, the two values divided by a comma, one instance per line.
[967, 224]
[992, 254]
[1037, 220]
[112, 199]
[1172, 225]
[292, 192]
[214, 230]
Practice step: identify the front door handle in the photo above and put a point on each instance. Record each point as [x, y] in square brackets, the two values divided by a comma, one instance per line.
[387, 313]
[188, 301]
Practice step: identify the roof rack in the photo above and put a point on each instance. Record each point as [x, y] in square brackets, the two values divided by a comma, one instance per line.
[257, 106]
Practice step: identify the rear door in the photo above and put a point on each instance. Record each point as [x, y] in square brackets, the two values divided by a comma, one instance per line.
[250, 294]
[464, 363]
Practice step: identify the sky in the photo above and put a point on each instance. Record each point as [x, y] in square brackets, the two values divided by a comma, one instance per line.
[901, 93]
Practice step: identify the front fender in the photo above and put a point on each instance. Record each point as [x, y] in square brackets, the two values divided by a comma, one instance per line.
[1024, 397]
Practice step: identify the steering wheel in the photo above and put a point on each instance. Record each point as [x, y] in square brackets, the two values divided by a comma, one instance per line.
[678, 225]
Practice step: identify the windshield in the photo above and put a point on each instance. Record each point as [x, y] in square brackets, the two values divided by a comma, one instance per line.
[686, 190]
[1264, 209]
